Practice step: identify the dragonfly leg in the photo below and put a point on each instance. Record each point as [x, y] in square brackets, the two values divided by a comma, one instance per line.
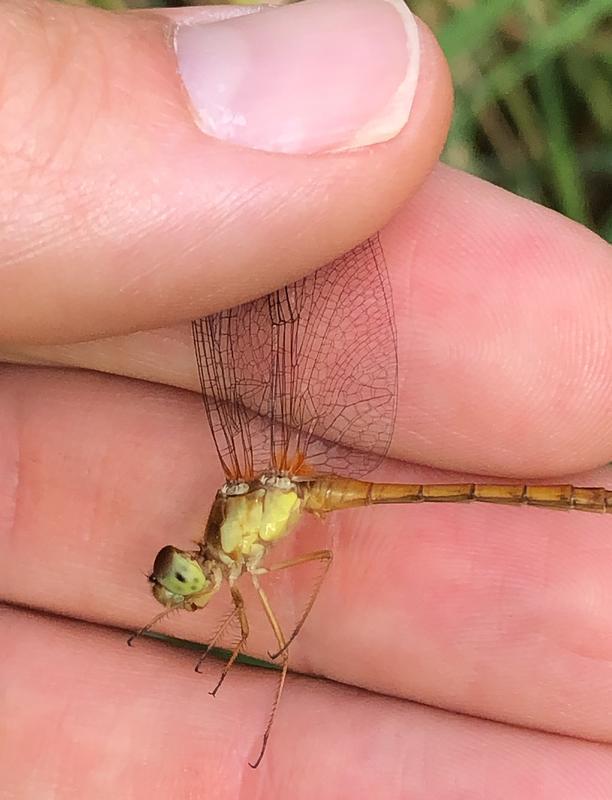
[244, 632]
[149, 625]
[325, 557]
[216, 636]
[280, 638]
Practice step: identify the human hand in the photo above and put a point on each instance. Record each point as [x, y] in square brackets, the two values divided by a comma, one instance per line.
[119, 215]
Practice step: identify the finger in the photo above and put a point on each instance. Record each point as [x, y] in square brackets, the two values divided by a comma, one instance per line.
[144, 718]
[503, 613]
[130, 204]
[507, 362]
[504, 335]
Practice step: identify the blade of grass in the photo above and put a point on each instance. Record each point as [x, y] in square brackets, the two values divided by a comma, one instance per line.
[109, 5]
[220, 653]
[572, 27]
[565, 174]
[594, 87]
[472, 27]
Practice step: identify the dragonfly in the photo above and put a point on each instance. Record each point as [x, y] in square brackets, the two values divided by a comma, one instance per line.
[300, 390]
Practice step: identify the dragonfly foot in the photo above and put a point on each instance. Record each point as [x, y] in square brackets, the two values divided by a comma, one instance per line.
[261, 752]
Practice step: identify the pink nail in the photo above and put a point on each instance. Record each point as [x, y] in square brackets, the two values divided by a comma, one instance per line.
[315, 76]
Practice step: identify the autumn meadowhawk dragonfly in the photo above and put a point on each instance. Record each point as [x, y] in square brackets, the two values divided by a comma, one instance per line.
[300, 391]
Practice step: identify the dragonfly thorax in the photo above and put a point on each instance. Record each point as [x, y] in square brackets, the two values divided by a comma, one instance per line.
[243, 524]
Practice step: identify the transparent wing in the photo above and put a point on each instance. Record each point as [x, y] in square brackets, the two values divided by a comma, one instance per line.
[304, 380]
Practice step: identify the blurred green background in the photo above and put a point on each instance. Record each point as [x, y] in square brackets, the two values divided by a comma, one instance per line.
[533, 83]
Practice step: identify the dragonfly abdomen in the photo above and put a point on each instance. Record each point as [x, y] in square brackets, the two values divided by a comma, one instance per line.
[328, 494]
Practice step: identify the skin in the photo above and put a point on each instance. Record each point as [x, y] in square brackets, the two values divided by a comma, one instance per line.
[469, 647]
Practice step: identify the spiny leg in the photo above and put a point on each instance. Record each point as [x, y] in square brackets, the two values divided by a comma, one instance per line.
[217, 635]
[149, 625]
[283, 673]
[244, 632]
[325, 556]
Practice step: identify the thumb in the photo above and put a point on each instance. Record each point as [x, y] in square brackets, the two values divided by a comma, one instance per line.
[156, 168]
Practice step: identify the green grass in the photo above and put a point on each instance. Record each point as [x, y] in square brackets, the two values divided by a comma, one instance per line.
[216, 653]
[533, 98]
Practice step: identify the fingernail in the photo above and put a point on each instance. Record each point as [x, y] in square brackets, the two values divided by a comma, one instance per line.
[311, 77]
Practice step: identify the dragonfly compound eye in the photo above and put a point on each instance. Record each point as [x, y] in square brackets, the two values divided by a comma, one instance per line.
[178, 573]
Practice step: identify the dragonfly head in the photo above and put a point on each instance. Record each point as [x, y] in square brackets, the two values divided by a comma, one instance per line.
[179, 580]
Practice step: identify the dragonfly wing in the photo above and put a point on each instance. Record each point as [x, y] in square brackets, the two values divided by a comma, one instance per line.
[304, 380]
